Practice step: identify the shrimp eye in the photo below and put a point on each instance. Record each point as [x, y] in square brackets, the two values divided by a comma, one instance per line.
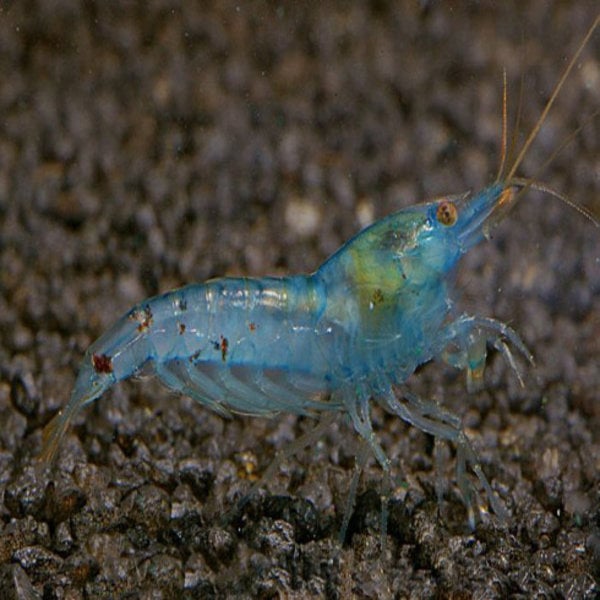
[446, 213]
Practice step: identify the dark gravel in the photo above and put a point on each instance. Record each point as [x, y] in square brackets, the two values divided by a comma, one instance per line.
[144, 145]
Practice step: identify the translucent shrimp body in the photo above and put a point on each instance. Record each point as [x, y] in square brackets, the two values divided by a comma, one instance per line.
[333, 341]
[367, 317]
[329, 341]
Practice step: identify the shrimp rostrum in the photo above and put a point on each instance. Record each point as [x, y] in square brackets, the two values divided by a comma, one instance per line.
[346, 336]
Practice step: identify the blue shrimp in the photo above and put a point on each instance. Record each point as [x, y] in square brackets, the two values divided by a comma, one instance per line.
[332, 341]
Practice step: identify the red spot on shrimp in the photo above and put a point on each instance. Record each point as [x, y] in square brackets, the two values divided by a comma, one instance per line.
[143, 317]
[252, 326]
[224, 348]
[102, 363]
[181, 328]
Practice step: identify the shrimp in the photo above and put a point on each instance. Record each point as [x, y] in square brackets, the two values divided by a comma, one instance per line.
[335, 341]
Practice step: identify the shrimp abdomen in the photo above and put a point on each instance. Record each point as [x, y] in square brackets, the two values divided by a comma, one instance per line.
[234, 344]
[245, 345]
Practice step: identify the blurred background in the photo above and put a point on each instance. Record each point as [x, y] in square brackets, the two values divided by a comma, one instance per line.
[146, 145]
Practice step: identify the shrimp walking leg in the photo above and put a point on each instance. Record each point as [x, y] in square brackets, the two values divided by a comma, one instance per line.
[308, 438]
[424, 415]
[359, 411]
[359, 466]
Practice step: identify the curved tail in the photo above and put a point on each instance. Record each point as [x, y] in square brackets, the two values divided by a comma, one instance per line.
[91, 384]
[113, 357]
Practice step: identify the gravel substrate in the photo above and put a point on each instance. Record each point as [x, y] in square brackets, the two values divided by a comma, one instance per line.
[145, 145]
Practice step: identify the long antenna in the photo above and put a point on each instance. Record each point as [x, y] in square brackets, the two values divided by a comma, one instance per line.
[530, 184]
[504, 126]
[514, 138]
[550, 102]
